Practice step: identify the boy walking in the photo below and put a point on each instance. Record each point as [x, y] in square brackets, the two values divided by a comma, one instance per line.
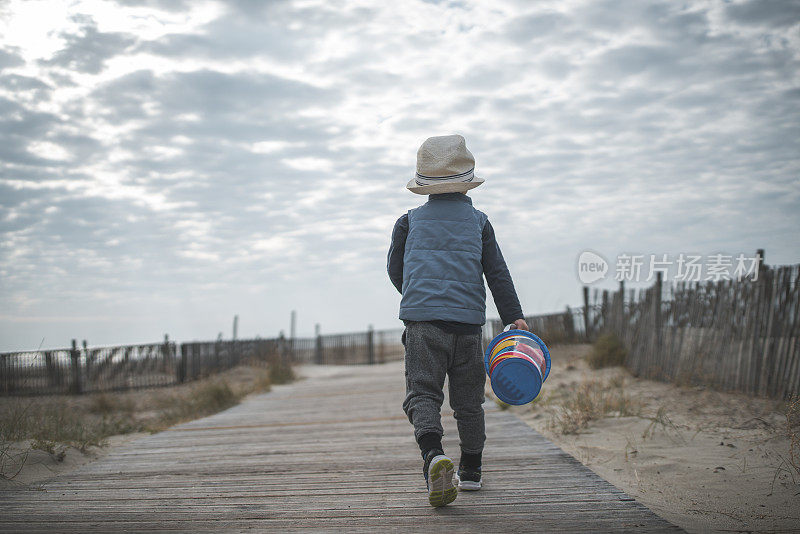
[438, 257]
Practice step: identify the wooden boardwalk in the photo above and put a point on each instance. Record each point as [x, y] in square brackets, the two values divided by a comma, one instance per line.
[333, 452]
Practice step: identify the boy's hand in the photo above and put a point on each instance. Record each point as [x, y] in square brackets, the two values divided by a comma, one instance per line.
[521, 324]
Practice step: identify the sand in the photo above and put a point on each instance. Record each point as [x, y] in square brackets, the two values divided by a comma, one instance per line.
[712, 462]
[29, 468]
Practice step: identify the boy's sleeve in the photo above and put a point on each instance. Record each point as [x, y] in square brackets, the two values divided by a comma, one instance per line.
[394, 262]
[498, 278]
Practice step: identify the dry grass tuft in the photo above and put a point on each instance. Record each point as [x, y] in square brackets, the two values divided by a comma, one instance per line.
[108, 403]
[607, 351]
[662, 420]
[206, 399]
[592, 400]
[48, 421]
[263, 383]
[281, 372]
[11, 461]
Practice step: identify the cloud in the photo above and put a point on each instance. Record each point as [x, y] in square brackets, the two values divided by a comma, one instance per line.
[9, 58]
[255, 163]
[536, 26]
[88, 50]
[165, 5]
[200, 98]
[25, 87]
[19, 126]
[764, 12]
[240, 34]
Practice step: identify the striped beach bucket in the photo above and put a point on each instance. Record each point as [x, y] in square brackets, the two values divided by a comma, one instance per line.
[517, 363]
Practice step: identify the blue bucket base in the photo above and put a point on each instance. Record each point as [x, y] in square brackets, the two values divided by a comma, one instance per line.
[516, 381]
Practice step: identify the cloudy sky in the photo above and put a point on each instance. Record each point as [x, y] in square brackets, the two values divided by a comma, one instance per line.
[165, 165]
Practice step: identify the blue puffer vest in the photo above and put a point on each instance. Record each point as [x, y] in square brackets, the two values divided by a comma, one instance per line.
[442, 271]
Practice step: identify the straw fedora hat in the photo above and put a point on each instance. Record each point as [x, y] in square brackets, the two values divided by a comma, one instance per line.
[444, 165]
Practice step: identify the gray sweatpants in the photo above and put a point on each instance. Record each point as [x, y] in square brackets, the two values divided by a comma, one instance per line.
[432, 353]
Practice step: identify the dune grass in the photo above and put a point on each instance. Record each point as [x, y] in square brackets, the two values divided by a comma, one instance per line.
[607, 351]
[281, 372]
[53, 424]
[593, 400]
[209, 398]
[48, 423]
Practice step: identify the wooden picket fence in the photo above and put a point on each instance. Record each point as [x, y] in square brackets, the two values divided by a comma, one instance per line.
[87, 369]
[730, 335]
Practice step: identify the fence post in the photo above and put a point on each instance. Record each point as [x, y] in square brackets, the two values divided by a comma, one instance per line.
[766, 326]
[370, 345]
[586, 322]
[6, 376]
[88, 362]
[757, 354]
[165, 352]
[182, 364]
[318, 346]
[216, 364]
[292, 334]
[569, 325]
[52, 371]
[769, 331]
[75, 356]
[657, 310]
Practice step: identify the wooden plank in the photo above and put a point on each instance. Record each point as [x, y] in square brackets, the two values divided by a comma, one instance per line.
[320, 454]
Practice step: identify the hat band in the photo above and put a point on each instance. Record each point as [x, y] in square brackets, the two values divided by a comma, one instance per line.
[468, 176]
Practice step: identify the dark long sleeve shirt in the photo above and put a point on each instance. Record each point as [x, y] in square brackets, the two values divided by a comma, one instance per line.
[494, 269]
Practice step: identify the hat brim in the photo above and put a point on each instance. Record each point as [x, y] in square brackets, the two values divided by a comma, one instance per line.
[445, 187]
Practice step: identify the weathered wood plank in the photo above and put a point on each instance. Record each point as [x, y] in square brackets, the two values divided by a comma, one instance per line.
[323, 454]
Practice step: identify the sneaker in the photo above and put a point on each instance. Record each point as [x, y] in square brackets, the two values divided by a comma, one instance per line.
[438, 471]
[469, 478]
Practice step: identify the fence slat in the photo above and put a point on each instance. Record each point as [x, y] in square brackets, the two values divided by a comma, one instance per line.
[730, 335]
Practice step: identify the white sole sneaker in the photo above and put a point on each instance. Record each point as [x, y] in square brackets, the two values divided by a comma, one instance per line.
[468, 485]
[440, 481]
